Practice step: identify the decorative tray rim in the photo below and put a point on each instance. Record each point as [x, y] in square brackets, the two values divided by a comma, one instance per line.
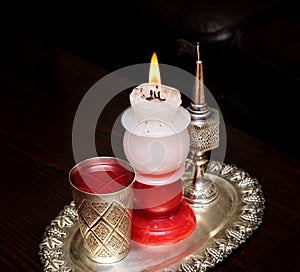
[251, 216]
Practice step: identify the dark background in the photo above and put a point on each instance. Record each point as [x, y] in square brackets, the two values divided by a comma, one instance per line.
[51, 54]
[250, 49]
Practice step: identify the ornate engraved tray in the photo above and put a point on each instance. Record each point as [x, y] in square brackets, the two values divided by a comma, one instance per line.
[222, 226]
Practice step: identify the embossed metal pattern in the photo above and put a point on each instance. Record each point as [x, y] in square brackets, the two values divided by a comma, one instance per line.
[204, 134]
[60, 236]
[104, 218]
[105, 228]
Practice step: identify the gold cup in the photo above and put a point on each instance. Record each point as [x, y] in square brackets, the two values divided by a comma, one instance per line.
[102, 189]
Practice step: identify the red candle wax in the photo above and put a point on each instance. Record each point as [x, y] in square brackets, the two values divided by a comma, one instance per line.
[157, 201]
[160, 215]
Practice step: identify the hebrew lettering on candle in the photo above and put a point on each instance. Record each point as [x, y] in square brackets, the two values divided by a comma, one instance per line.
[154, 100]
[156, 118]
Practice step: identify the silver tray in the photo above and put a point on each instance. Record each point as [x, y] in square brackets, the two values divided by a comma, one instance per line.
[222, 226]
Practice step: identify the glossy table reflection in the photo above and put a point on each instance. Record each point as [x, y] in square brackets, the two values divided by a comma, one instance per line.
[41, 88]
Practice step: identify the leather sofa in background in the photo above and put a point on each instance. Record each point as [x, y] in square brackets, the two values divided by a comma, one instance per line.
[251, 55]
[267, 87]
[250, 50]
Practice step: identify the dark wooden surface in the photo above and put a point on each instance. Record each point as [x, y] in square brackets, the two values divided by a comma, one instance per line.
[41, 88]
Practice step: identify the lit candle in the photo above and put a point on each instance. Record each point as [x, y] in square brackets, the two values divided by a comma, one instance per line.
[156, 143]
[156, 140]
[154, 100]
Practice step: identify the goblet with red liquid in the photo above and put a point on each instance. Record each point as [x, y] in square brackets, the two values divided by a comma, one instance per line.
[102, 188]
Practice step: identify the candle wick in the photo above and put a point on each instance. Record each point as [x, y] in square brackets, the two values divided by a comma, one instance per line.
[198, 51]
[151, 95]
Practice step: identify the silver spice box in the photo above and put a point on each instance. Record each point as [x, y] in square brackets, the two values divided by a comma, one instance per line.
[221, 227]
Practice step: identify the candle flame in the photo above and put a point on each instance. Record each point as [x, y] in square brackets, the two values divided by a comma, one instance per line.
[154, 73]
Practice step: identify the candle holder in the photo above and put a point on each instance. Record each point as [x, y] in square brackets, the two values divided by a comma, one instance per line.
[160, 214]
[156, 143]
[204, 136]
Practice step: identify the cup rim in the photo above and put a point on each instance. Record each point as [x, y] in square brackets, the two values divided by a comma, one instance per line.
[86, 161]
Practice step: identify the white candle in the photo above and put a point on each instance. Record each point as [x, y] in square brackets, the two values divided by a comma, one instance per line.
[156, 147]
[153, 100]
[156, 141]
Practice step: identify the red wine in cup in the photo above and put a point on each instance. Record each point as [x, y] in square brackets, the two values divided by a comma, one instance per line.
[101, 179]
